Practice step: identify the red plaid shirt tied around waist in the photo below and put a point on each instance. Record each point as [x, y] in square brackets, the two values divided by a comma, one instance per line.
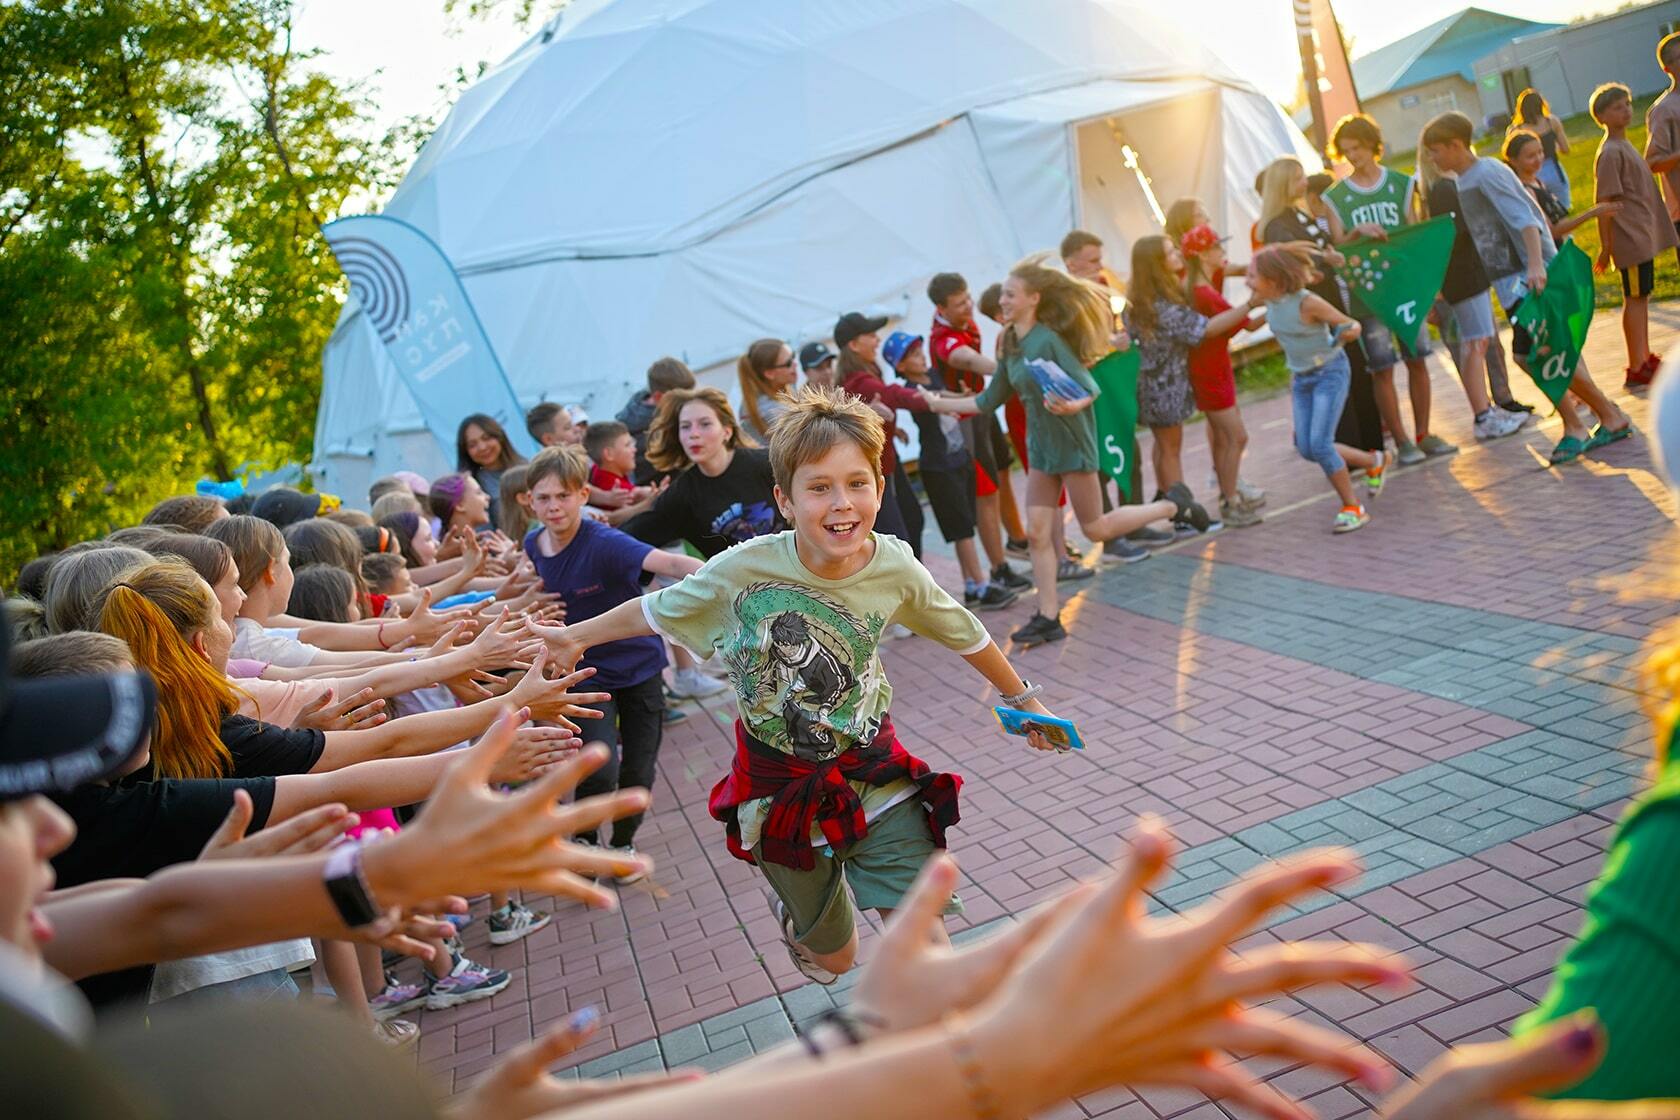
[802, 793]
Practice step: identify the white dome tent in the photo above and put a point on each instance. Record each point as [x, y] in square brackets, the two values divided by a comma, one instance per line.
[650, 177]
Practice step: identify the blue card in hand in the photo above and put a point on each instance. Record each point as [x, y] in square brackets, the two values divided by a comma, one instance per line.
[1061, 732]
[1056, 381]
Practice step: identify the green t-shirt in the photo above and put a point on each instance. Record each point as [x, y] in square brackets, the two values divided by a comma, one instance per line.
[1625, 965]
[804, 652]
[1381, 205]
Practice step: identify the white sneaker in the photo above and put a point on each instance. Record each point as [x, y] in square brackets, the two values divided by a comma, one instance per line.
[1496, 423]
[514, 922]
[806, 966]
[635, 876]
[692, 684]
[1253, 497]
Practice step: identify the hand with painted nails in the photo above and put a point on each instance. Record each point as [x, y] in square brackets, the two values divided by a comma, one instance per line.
[520, 1086]
[1143, 1001]
[1502, 1080]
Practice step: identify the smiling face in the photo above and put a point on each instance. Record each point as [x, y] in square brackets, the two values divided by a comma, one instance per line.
[785, 372]
[482, 447]
[557, 507]
[474, 509]
[425, 545]
[1261, 287]
[958, 309]
[1212, 259]
[832, 509]
[32, 831]
[704, 436]
[1172, 258]
[865, 346]
[1017, 302]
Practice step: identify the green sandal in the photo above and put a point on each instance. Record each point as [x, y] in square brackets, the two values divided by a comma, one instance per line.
[1568, 448]
[1602, 436]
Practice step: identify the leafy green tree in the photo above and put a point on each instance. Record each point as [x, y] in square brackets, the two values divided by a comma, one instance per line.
[164, 289]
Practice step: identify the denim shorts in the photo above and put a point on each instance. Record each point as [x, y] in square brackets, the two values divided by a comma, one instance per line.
[1378, 344]
[1474, 317]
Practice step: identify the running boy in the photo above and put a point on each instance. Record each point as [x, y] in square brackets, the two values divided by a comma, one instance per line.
[1634, 236]
[594, 568]
[947, 473]
[1515, 244]
[1370, 202]
[821, 792]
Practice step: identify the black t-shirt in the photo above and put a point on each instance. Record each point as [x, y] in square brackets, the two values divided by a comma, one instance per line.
[941, 435]
[1293, 225]
[1465, 275]
[1554, 210]
[714, 513]
[137, 828]
[262, 750]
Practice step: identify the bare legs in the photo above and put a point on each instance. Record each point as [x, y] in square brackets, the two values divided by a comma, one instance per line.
[1166, 456]
[1636, 330]
[1085, 496]
[1227, 438]
[1472, 372]
[1418, 387]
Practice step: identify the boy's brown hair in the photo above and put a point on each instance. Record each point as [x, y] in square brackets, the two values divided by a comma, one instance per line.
[1668, 51]
[669, 374]
[1448, 127]
[600, 435]
[191, 512]
[71, 654]
[1605, 96]
[1077, 240]
[818, 419]
[564, 463]
[1359, 128]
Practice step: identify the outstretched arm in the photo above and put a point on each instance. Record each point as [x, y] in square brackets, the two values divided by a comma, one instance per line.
[568, 643]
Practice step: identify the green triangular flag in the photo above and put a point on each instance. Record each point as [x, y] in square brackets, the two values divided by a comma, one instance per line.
[1116, 410]
[1557, 319]
[1399, 278]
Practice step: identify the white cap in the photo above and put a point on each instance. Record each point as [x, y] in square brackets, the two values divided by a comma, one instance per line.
[578, 415]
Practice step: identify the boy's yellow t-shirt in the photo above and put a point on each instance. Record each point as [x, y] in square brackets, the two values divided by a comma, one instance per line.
[804, 652]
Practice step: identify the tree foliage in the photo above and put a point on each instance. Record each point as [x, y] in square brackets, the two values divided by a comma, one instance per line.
[164, 289]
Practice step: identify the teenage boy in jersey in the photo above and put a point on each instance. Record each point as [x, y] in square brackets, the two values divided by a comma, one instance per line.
[1369, 203]
[960, 363]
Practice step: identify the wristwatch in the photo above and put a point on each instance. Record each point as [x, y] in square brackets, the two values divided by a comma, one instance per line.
[848, 1028]
[347, 888]
[1028, 691]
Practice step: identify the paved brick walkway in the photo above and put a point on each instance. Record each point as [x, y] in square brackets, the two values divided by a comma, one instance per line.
[1451, 691]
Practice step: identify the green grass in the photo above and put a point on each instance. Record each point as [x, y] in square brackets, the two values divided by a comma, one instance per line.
[1584, 136]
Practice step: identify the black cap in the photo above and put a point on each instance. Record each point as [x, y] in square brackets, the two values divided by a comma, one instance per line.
[284, 506]
[854, 323]
[814, 354]
[57, 733]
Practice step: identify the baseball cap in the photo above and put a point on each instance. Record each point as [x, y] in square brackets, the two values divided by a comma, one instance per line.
[284, 506]
[1200, 240]
[57, 733]
[855, 323]
[814, 354]
[577, 414]
[898, 344]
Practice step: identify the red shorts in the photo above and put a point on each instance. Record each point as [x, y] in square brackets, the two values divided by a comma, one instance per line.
[1213, 389]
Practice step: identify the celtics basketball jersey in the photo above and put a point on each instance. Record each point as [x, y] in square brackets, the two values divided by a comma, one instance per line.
[1382, 205]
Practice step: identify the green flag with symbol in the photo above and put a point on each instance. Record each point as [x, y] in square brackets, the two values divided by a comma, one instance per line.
[1557, 320]
[1398, 279]
[1116, 411]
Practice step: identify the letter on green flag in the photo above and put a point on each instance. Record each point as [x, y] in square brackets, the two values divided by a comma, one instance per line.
[1557, 319]
[1399, 278]
[1116, 414]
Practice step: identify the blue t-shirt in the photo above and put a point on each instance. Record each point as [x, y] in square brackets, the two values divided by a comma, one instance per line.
[600, 569]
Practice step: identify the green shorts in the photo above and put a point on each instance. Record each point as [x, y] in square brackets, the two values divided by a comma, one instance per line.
[880, 868]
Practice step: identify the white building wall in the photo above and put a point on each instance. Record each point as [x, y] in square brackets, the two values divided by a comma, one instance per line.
[1568, 63]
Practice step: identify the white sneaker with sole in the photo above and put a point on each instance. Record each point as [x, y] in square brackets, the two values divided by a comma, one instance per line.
[1496, 423]
[806, 967]
[692, 684]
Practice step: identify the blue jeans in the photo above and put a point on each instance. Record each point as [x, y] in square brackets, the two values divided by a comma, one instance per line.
[1319, 395]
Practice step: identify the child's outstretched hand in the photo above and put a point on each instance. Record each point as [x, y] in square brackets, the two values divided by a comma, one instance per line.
[1037, 740]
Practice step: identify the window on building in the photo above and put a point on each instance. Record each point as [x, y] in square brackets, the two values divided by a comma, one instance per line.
[1516, 80]
[1444, 101]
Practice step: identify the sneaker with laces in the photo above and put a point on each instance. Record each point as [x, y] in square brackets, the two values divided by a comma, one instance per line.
[628, 877]
[1069, 571]
[398, 1034]
[1009, 579]
[1376, 473]
[1433, 446]
[1190, 512]
[1037, 631]
[1496, 423]
[991, 597]
[514, 921]
[1237, 515]
[1017, 547]
[1124, 551]
[1407, 453]
[1150, 537]
[396, 998]
[805, 966]
[1252, 496]
[1349, 519]
[466, 983]
[692, 684]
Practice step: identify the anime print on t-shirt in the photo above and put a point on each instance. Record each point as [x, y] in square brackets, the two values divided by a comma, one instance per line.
[742, 522]
[807, 670]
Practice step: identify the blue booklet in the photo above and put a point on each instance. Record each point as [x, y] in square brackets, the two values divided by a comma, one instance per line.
[1056, 381]
[1061, 732]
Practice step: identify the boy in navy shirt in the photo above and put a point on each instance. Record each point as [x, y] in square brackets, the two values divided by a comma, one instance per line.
[593, 568]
